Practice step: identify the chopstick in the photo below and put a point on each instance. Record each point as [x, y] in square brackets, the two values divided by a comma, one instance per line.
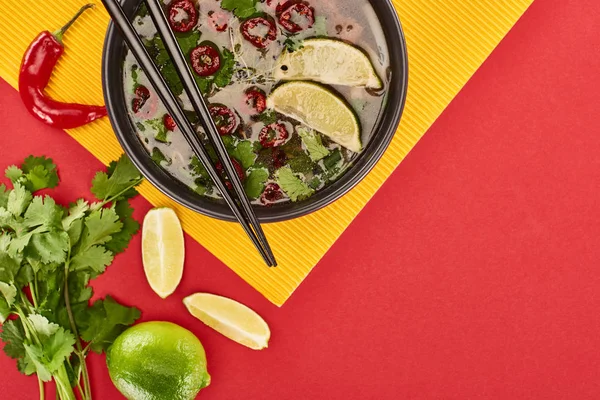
[157, 81]
[193, 91]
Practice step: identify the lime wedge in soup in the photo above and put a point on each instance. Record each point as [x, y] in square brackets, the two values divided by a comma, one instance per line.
[320, 109]
[328, 61]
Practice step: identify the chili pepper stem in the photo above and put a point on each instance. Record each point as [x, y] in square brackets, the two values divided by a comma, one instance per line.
[60, 33]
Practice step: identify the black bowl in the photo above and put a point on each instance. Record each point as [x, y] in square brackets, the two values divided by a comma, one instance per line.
[112, 65]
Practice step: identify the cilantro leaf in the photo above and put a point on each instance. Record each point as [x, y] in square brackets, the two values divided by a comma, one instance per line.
[73, 223]
[96, 258]
[293, 186]
[188, 41]
[314, 144]
[268, 117]
[43, 212]
[116, 183]
[49, 247]
[120, 240]
[244, 153]
[100, 225]
[13, 337]
[3, 196]
[241, 8]
[224, 75]
[5, 310]
[159, 157]
[255, 182]
[14, 173]
[301, 163]
[9, 268]
[18, 200]
[107, 320]
[9, 292]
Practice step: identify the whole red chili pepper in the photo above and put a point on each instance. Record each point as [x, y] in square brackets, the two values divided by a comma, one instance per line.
[36, 68]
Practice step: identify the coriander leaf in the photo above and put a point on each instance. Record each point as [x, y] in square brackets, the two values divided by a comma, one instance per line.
[18, 200]
[293, 43]
[77, 210]
[100, 225]
[120, 240]
[96, 258]
[223, 77]
[118, 182]
[301, 163]
[43, 212]
[293, 186]
[159, 157]
[314, 144]
[5, 310]
[9, 268]
[41, 325]
[241, 8]
[9, 292]
[268, 117]
[255, 182]
[7, 220]
[169, 72]
[40, 173]
[204, 84]
[13, 337]
[3, 196]
[332, 163]
[14, 173]
[107, 320]
[244, 153]
[188, 41]
[24, 276]
[48, 247]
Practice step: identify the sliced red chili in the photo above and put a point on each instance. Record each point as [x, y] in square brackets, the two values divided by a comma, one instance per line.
[142, 94]
[271, 194]
[260, 31]
[238, 169]
[273, 135]
[224, 118]
[169, 123]
[296, 16]
[256, 100]
[183, 15]
[206, 60]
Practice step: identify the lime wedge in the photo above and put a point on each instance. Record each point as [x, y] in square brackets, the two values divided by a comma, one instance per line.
[320, 109]
[163, 251]
[328, 61]
[230, 318]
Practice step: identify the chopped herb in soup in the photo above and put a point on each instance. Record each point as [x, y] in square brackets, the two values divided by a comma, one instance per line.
[295, 89]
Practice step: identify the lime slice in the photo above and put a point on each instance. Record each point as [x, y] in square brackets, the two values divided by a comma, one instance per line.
[320, 109]
[230, 318]
[328, 61]
[163, 251]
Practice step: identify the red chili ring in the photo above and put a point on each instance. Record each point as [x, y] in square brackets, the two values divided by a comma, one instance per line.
[190, 20]
[273, 135]
[256, 100]
[301, 8]
[206, 60]
[271, 194]
[224, 118]
[169, 123]
[259, 41]
[142, 94]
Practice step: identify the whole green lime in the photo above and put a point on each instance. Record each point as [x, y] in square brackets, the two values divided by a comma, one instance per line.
[158, 361]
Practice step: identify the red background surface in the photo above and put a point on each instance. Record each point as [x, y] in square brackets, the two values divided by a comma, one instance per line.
[472, 274]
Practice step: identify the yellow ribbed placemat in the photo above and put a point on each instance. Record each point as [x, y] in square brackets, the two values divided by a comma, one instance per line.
[447, 41]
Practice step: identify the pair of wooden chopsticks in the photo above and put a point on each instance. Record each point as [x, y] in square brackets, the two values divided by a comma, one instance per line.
[240, 206]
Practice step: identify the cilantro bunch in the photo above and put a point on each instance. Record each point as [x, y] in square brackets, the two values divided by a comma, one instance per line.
[48, 255]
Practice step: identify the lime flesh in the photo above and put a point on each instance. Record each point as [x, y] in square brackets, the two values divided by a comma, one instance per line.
[320, 109]
[328, 61]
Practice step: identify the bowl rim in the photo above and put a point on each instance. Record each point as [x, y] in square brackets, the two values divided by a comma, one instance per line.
[381, 138]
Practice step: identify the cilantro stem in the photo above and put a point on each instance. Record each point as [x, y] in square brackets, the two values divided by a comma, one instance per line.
[87, 395]
[41, 386]
[98, 206]
[33, 290]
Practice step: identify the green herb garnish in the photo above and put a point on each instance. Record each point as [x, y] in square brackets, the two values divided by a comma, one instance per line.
[314, 144]
[48, 255]
[240, 8]
[292, 185]
[255, 182]
[159, 157]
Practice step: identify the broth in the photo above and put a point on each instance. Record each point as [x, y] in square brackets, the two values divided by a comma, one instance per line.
[246, 68]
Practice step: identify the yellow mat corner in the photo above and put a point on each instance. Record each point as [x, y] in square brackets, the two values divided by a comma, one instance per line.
[447, 41]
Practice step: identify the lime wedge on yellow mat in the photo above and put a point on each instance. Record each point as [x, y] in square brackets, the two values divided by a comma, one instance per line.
[163, 250]
[328, 61]
[230, 318]
[318, 108]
